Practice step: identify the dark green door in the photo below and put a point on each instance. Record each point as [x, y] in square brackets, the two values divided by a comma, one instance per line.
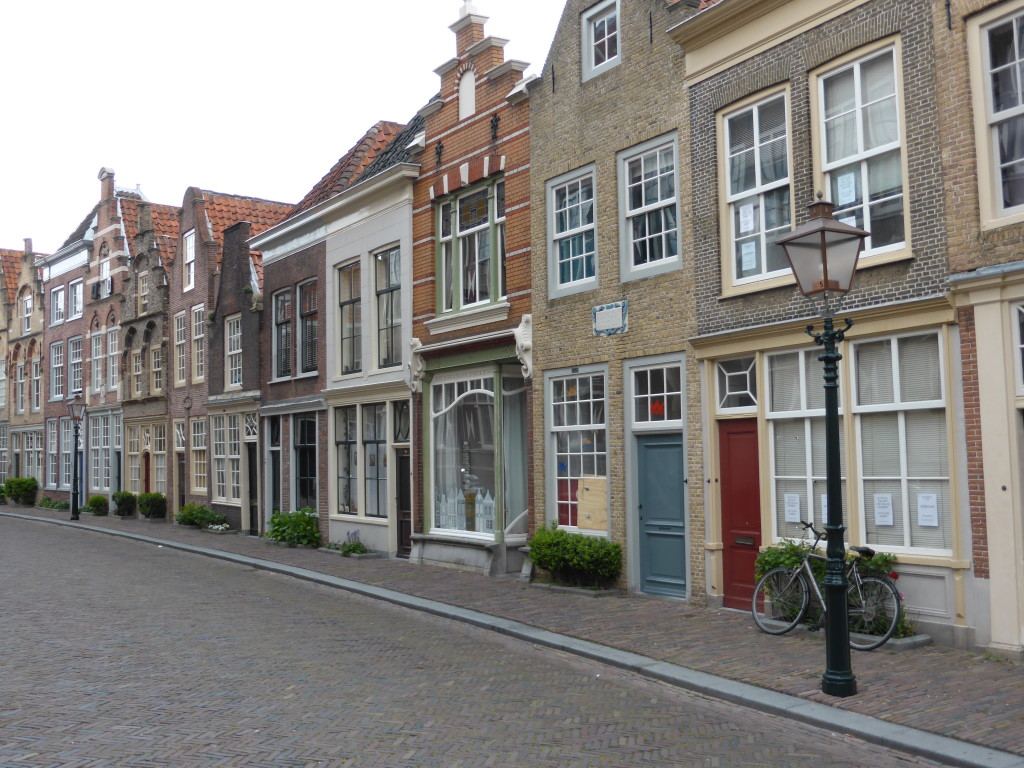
[662, 514]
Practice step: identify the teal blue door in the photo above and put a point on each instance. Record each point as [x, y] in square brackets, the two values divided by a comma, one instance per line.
[662, 514]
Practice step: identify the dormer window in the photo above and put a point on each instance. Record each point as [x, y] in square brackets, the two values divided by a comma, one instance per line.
[600, 35]
[467, 94]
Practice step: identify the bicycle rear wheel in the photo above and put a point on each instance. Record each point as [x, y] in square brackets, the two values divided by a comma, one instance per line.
[780, 600]
[873, 609]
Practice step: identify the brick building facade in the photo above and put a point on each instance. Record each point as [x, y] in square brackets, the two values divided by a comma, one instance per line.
[618, 441]
[471, 305]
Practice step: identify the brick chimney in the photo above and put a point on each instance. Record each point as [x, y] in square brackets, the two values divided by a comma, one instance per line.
[106, 177]
[28, 247]
[469, 29]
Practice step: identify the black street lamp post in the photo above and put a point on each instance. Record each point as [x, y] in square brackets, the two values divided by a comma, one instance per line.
[823, 254]
[76, 410]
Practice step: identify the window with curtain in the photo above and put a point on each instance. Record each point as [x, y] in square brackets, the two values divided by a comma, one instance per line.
[375, 451]
[579, 434]
[860, 113]
[1003, 53]
[389, 308]
[757, 167]
[307, 328]
[471, 242]
[350, 317]
[514, 447]
[283, 334]
[462, 437]
[346, 444]
[305, 461]
[649, 204]
[574, 248]
[901, 430]
[796, 430]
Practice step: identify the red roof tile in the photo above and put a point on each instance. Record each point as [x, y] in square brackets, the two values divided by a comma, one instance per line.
[164, 219]
[706, 4]
[223, 211]
[348, 168]
[10, 262]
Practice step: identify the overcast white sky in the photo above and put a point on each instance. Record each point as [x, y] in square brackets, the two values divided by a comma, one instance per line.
[249, 97]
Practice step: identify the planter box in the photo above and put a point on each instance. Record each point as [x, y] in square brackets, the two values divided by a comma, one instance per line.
[218, 533]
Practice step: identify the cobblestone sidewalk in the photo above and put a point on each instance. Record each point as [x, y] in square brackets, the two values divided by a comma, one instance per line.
[940, 690]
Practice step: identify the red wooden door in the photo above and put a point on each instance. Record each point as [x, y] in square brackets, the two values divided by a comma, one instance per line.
[741, 509]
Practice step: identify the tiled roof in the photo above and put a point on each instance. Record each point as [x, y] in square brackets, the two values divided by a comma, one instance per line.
[223, 211]
[350, 166]
[82, 229]
[257, 268]
[164, 219]
[397, 152]
[11, 265]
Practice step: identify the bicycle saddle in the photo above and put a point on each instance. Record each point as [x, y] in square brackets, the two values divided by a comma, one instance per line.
[867, 552]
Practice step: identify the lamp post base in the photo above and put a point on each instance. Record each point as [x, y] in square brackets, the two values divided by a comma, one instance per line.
[838, 683]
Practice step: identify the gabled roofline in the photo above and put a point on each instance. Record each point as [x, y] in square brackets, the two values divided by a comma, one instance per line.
[353, 193]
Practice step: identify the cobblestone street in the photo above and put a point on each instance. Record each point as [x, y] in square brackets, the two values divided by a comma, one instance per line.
[121, 653]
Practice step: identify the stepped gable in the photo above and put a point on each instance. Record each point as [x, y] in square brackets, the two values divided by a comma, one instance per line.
[351, 166]
[164, 219]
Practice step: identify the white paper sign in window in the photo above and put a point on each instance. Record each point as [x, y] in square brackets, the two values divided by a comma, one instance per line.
[883, 509]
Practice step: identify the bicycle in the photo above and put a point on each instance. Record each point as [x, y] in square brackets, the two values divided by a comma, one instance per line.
[783, 594]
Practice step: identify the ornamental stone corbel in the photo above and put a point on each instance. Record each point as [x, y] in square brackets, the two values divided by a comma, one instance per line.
[417, 367]
[524, 344]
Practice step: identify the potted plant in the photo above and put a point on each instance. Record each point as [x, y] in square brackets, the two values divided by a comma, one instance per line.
[125, 504]
[153, 506]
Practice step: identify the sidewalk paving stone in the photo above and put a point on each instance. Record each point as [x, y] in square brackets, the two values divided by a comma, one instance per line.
[939, 690]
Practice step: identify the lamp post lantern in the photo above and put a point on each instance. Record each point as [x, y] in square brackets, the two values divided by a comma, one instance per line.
[76, 410]
[823, 253]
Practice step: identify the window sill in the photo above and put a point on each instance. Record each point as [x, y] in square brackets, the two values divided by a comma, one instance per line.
[352, 517]
[470, 318]
[307, 375]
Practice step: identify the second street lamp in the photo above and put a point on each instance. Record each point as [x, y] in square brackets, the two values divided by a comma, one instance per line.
[823, 253]
[76, 410]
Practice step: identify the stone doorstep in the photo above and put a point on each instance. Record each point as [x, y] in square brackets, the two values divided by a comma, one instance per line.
[893, 644]
[364, 556]
[576, 590]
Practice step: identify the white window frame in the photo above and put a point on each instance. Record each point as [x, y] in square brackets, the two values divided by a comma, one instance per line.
[902, 408]
[19, 389]
[67, 437]
[52, 455]
[26, 313]
[156, 370]
[188, 262]
[113, 364]
[180, 342]
[233, 352]
[591, 34]
[75, 345]
[577, 178]
[807, 412]
[76, 299]
[658, 405]
[138, 372]
[601, 458]
[3, 385]
[862, 156]
[199, 461]
[159, 453]
[143, 291]
[37, 385]
[98, 360]
[57, 370]
[456, 245]
[57, 305]
[198, 343]
[736, 212]
[624, 160]
[388, 298]
[350, 316]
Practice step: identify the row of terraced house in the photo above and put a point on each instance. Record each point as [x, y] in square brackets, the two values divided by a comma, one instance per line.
[560, 299]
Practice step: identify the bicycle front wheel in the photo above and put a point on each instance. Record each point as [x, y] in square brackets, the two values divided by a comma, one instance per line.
[780, 599]
[873, 608]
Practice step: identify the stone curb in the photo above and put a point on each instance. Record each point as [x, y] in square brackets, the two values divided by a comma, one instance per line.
[899, 737]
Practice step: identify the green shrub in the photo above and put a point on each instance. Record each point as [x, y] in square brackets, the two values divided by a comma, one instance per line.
[197, 514]
[49, 503]
[152, 505]
[22, 489]
[98, 505]
[295, 528]
[790, 553]
[353, 545]
[576, 558]
[125, 502]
